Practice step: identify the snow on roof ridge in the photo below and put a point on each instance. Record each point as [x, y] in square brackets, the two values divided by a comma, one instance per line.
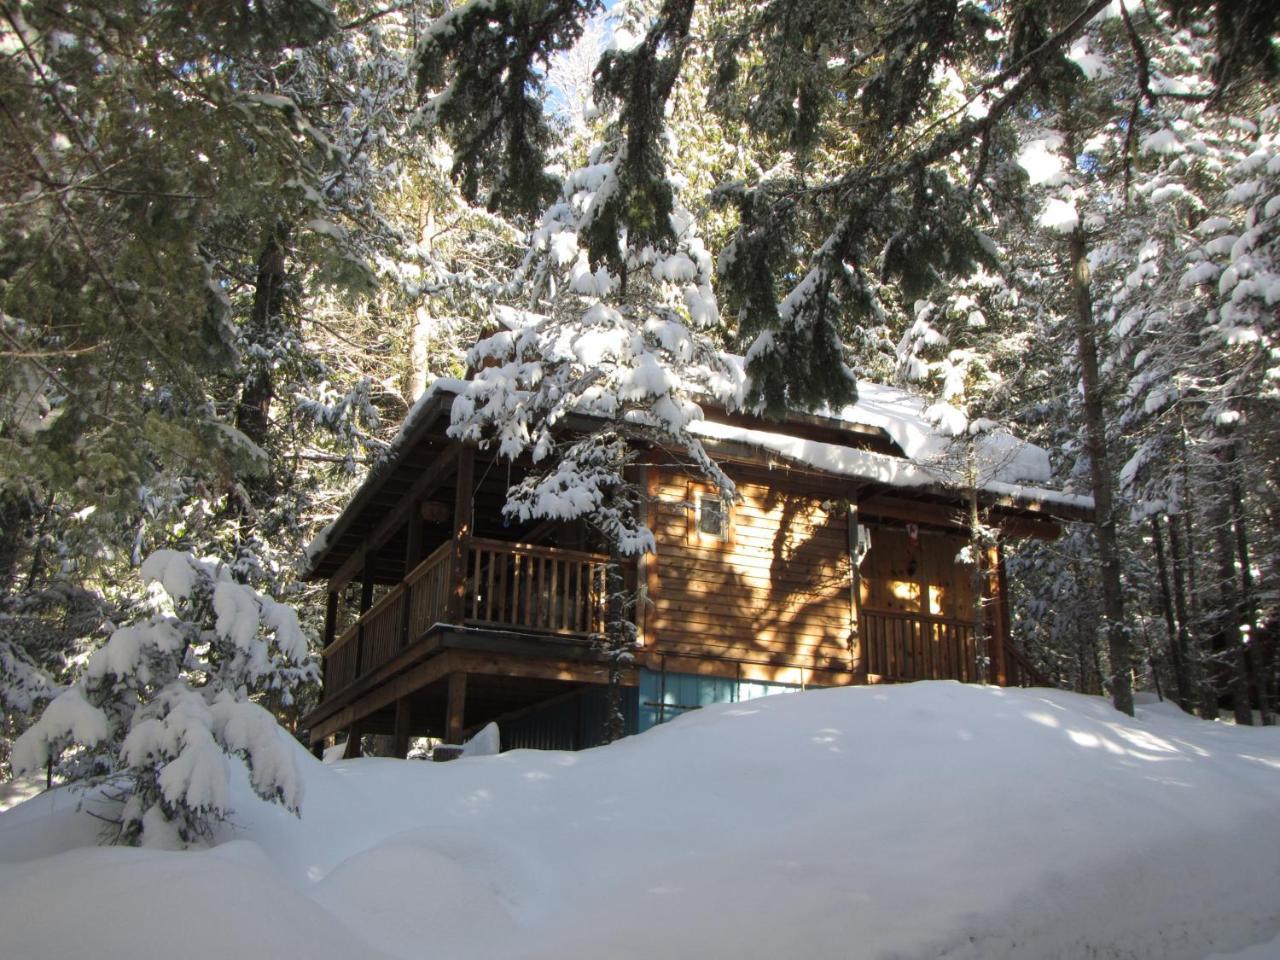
[905, 419]
[902, 415]
[870, 465]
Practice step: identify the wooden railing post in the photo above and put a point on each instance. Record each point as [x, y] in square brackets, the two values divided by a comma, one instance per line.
[997, 616]
[330, 633]
[412, 557]
[366, 600]
[461, 532]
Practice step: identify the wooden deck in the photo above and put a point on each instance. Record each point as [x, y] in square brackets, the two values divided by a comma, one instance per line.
[523, 588]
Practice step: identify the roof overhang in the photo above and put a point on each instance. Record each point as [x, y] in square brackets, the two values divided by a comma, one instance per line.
[860, 462]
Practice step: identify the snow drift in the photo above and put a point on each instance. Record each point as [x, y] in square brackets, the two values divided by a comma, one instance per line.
[931, 820]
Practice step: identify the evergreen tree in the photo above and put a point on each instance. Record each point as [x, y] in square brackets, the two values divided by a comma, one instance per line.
[163, 702]
[623, 342]
[250, 185]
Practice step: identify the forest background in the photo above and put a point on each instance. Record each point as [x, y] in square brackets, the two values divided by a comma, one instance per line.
[238, 240]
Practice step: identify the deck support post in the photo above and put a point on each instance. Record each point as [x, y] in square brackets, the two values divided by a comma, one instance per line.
[462, 525]
[456, 709]
[330, 617]
[400, 741]
[366, 584]
[412, 557]
[353, 741]
[413, 538]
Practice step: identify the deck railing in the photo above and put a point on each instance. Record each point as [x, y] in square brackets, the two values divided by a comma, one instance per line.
[546, 589]
[512, 586]
[429, 585]
[916, 646]
[1022, 672]
[341, 660]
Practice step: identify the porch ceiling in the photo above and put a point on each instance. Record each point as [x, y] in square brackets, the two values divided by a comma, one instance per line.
[381, 493]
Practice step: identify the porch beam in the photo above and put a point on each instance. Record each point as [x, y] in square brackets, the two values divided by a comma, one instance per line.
[400, 742]
[455, 712]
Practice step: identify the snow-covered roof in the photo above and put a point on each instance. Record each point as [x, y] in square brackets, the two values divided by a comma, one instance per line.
[1005, 466]
[440, 387]
[998, 474]
[925, 434]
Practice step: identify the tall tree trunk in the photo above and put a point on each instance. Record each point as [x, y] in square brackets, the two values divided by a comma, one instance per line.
[1195, 672]
[618, 644]
[1227, 645]
[1118, 646]
[17, 509]
[620, 631]
[265, 327]
[1248, 597]
[982, 638]
[420, 354]
[1177, 649]
[264, 331]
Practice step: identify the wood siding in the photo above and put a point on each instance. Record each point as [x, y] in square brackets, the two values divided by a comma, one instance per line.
[776, 591]
[779, 589]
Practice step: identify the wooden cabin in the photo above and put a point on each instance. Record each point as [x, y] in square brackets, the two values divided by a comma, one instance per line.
[837, 565]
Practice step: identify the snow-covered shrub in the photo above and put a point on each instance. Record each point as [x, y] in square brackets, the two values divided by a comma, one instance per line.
[23, 685]
[166, 700]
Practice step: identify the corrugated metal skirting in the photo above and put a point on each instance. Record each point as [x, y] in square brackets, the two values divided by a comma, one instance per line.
[572, 723]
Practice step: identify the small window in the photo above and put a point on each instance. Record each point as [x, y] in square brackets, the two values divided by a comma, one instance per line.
[712, 521]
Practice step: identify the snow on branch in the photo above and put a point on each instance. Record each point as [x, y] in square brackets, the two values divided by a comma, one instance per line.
[166, 701]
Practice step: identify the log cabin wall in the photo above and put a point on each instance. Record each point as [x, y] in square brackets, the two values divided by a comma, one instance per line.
[770, 600]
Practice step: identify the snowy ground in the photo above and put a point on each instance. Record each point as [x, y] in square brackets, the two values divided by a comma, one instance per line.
[926, 821]
[14, 792]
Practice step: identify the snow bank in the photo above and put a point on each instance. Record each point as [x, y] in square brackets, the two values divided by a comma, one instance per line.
[923, 821]
[115, 902]
[15, 791]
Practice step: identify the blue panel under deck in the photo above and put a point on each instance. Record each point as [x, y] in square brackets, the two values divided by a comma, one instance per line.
[577, 722]
[667, 695]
